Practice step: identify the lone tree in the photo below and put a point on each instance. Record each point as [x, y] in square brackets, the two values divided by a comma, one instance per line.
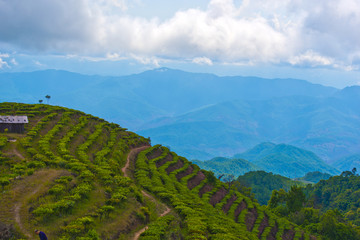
[40, 101]
[48, 98]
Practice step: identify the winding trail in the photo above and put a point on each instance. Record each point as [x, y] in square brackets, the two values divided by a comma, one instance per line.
[131, 157]
[16, 202]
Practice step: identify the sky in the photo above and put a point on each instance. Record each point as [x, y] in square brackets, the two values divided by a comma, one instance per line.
[317, 41]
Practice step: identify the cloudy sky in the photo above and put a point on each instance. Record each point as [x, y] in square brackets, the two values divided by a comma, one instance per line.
[313, 40]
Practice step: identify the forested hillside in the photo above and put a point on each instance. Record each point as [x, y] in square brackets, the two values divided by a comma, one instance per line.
[286, 160]
[262, 184]
[76, 176]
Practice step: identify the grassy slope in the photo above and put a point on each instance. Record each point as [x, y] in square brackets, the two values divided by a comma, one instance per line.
[64, 176]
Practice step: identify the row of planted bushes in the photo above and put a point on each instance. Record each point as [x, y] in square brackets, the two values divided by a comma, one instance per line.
[200, 219]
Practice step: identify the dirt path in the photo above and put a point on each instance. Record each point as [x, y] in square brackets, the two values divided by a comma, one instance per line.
[131, 157]
[25, 189]
[17, 214]
[166, 211]
[17, 153]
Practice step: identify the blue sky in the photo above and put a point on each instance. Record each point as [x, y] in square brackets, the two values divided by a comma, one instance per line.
[317, 41]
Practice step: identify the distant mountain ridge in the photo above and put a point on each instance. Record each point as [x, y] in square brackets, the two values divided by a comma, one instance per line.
[282, 159]
[244, 110]
[286, 160]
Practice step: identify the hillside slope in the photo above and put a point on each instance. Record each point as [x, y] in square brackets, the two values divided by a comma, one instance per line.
[286, 160]
[75, 176]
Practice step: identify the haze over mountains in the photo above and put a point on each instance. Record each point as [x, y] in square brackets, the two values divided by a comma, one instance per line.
[282, 159]
[201, 116]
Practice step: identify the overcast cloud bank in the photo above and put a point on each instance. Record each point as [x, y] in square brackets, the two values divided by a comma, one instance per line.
[296, 33]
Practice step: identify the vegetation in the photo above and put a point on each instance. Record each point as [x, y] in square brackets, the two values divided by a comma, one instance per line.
[330, 208]
[231, 166]
[314, 177]
[67, 170]
[285, 160]
[65, 175]
[262, 184]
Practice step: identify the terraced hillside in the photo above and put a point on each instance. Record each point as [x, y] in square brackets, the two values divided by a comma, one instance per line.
[76, 176]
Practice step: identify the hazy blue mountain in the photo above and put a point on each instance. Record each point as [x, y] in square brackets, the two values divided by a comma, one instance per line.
[286, 160]
[221, 165]
[175, 108]
[201, 139]
[348, 163]
[328, 126]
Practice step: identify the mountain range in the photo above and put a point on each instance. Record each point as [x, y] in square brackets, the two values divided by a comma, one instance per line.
[202, 116]
[282, 159]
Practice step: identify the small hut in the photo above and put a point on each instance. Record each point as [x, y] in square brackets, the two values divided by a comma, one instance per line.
[14, 124]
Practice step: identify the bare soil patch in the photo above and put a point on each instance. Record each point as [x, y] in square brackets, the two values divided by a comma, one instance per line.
[154, 154]
[239, 209]
[288, 234]
[229, 203]
[161, 162]
[272, 233]
[250, 218]
[206, 188]
[173, 167]
[264, 223]
[193, 182]
[218, 196]
[182, 174]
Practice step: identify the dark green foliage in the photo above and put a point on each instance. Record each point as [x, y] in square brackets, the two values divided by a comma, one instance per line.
[262, 184]
[314, 177]
[339, 192]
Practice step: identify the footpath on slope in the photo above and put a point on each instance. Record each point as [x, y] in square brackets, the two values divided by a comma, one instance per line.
[131, 157]
[13, 205]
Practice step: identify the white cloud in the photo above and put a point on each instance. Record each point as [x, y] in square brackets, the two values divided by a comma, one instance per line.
[39, 64]
[202, 61]
[305, 33]
[3, 63]
[311, 58]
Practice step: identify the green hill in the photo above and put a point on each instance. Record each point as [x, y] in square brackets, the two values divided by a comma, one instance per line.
[222, 165]
[76, 176]
[314, 177]
[338, 192]
[286, 160]
[262, 184]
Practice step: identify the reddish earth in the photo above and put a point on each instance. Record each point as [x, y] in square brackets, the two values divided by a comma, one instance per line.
[182, 174]
[193, 182]
[272, 233]
[229, 203]
[313, 238]
[264, 223]
[288, 234]
[154, 154]
[173, 167]
[250, 218]
[238, 210]
[161, 162]
[206, 188]
[218, 196]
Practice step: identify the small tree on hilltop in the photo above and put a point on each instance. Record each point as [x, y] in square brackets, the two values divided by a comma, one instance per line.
[40, 101]
[48, 98]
